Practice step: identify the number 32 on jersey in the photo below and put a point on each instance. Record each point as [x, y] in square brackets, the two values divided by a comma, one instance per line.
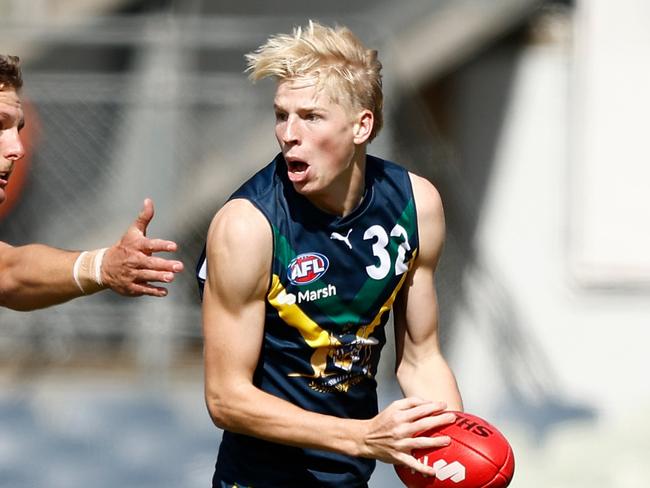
[380, 236]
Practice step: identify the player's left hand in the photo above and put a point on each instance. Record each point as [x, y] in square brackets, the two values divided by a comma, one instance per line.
[129, 268]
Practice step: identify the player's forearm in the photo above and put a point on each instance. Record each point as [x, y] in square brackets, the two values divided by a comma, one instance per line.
[253, 412]
[431, 379]
[36, 276]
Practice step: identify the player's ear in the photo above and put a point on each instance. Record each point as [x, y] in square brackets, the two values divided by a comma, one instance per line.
[363, 125]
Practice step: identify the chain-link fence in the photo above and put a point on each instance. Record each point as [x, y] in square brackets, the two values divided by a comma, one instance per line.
[140, 116]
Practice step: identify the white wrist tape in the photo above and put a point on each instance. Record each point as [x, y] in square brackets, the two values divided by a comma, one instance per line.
[99, 259]
[75, 270]
[87, 271]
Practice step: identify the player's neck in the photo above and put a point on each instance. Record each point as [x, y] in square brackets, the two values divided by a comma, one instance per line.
[346, 193]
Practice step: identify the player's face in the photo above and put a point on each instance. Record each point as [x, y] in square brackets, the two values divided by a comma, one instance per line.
[317, 138]
[11, 147]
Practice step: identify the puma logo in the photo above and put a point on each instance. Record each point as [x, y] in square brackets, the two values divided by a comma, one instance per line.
[339, 237]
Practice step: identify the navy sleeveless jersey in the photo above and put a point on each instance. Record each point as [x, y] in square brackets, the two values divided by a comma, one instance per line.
[333, 282]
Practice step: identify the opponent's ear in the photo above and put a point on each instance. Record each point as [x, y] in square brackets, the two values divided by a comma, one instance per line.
[363, 126]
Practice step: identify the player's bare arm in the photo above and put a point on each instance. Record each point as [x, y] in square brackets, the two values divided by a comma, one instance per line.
[37, 276]
[422, 372]
[239, 253]
[421, 369]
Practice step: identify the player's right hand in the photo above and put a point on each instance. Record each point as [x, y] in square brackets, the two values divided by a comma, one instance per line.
[390, 435]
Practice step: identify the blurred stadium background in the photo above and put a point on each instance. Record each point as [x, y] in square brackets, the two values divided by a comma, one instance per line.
[530, 117]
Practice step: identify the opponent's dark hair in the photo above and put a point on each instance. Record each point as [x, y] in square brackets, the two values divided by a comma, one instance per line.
[10, 72]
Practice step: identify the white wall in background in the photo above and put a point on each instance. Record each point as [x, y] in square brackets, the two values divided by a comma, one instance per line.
[610, 211]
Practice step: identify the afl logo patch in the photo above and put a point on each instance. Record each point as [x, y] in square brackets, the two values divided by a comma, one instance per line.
[306, 268]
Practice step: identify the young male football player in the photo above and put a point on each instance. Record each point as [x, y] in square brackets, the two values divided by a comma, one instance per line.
[301, 269]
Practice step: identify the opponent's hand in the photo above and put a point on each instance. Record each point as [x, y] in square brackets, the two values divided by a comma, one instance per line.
[390, 434]
[129, 267]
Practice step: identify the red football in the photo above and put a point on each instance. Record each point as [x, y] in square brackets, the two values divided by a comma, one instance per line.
[479, 456]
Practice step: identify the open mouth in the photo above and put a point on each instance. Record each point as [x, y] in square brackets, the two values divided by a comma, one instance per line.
[298, 170]
[4, 175]
[297, 166]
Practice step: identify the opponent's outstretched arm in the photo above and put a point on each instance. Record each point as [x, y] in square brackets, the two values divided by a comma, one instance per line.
[239, 254]
[36, 276]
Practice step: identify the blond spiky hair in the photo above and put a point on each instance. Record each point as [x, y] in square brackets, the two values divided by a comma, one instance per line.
[348, 70]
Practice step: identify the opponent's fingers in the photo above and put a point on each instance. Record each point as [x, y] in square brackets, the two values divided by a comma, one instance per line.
[139, 289]
[153, 263]
[146, 276]
[150, 246]
[145, 216]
